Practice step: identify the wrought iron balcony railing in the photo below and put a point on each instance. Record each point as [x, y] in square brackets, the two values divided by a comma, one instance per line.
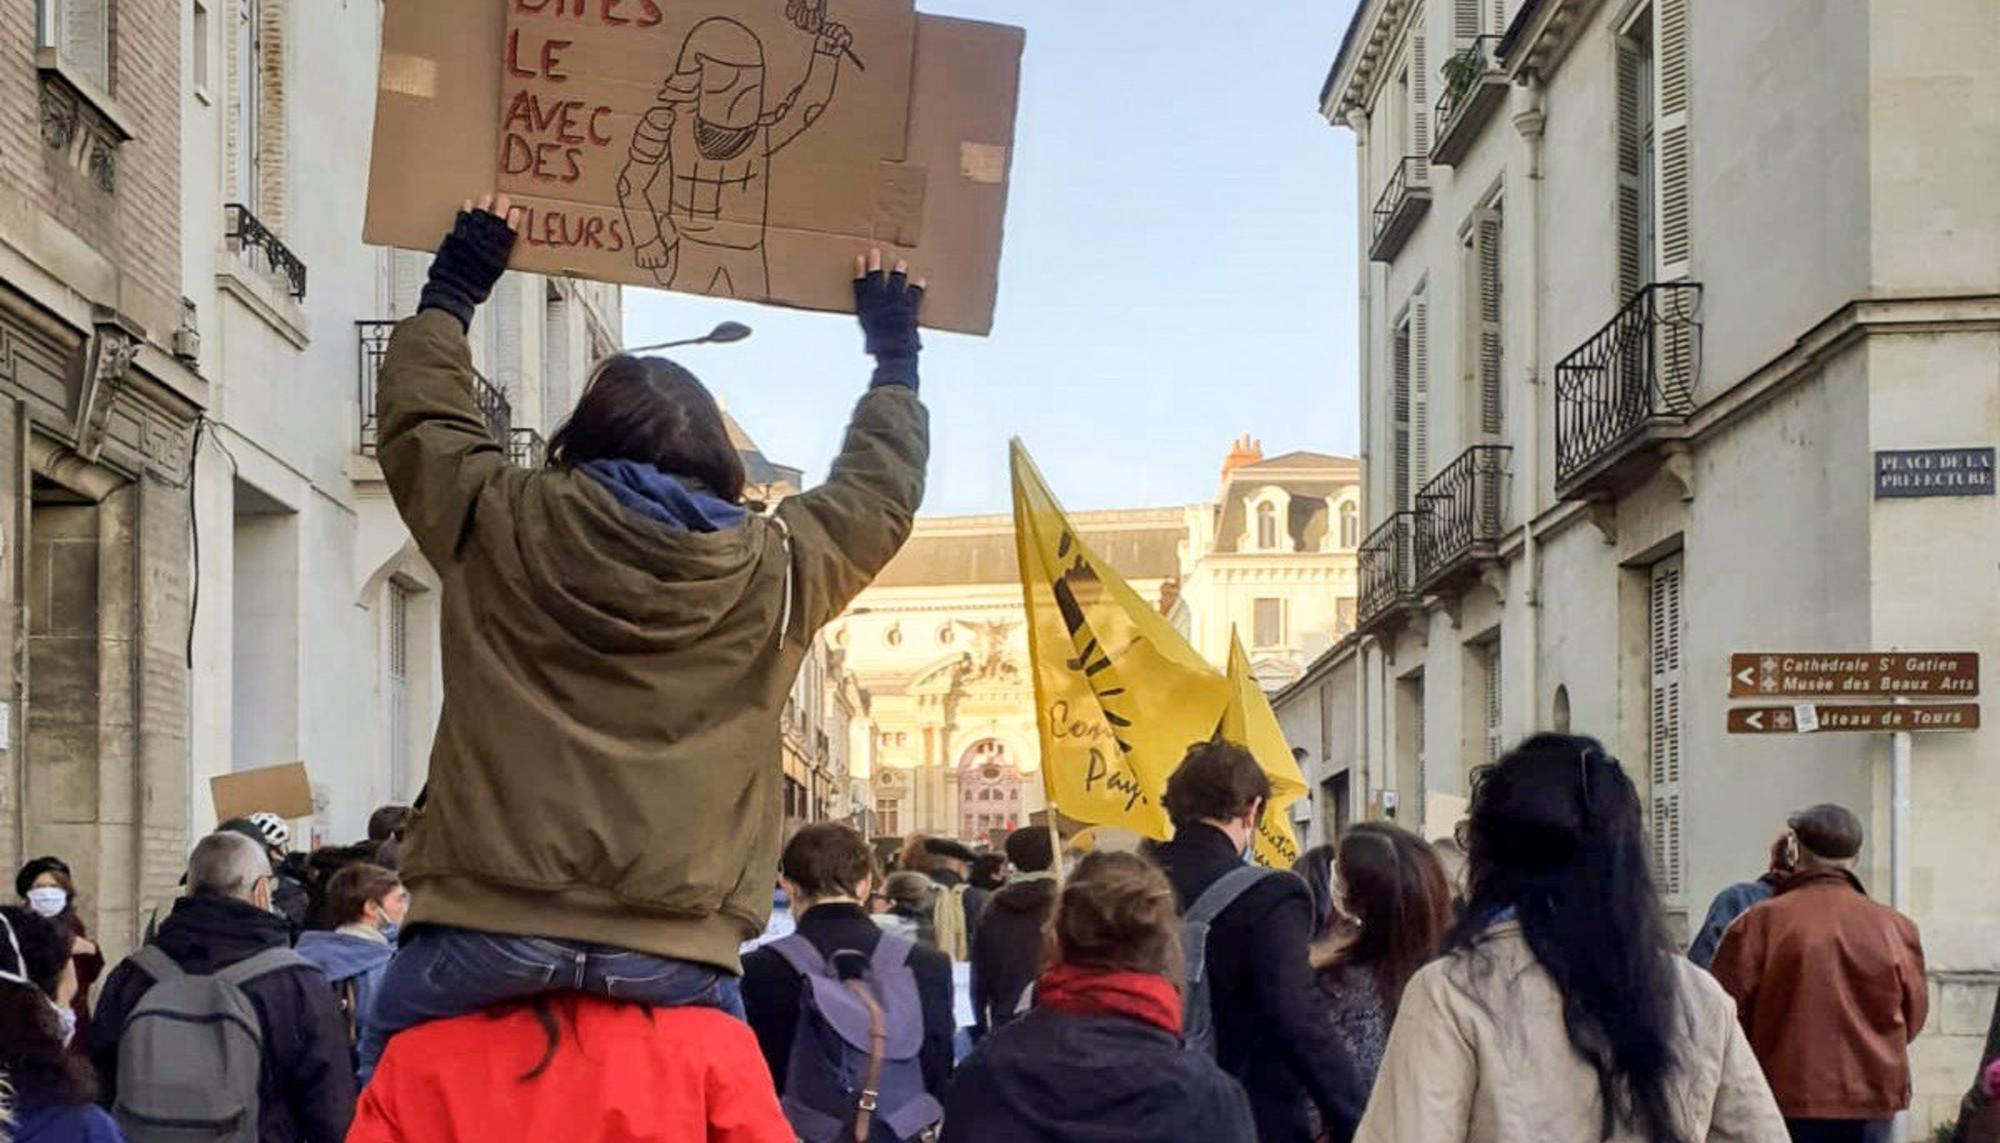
[1463, 511]
[526, 448]
[1636, 375]
[1403, 204]
[261, 249]
[373, 340]
[1387, 566]
[1474, 88]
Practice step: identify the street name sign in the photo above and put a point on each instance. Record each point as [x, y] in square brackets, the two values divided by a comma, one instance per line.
[1857, 675]
[1903, 474]
[1822, 718]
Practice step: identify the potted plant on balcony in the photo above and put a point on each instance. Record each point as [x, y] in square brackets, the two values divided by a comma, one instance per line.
[1462, 71]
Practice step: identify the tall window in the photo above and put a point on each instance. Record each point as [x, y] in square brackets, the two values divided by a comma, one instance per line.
[1638, 182]
[1483, 311]
[888, 817]
[1267, 527]
[249, 102]
[1664, 627]
[1399, 354]
[1270, 622]
[399, 690]
[1411, 366]
[1350, 525]
[1489, 662]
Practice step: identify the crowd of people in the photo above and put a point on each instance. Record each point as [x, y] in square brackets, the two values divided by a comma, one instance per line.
[576, 933]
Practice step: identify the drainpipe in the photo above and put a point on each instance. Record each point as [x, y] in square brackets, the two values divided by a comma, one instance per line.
[1529, 119]
[1357, 122]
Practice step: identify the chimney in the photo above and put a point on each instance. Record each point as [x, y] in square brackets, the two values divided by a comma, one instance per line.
[1243, 451]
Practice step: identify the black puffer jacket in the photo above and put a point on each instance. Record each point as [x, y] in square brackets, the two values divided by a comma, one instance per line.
[306, 1094]
[1269, 1029]
[1051, 1077]
[1007, 954]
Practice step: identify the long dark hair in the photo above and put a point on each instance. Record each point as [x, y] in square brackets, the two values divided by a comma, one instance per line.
[1556, 836]
[1394, 886]
[648, 409]
[32, 1056]
[1315, 868]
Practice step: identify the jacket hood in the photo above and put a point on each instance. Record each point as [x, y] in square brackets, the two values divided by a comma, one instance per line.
[664, 497]
[342, 956]
[1093, 1079]
[1024, 896]
[629, 560]
[204, 934]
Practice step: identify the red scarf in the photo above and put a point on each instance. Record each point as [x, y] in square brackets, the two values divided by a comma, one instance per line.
[1139, 996]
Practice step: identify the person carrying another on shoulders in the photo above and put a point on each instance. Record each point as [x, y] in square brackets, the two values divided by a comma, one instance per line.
[1830, 986]
[621, 629]
[1099, 1059]
[1268, 1031]
[1560, 1009]
[796, 990]
[1007, 956]
[574, 1068]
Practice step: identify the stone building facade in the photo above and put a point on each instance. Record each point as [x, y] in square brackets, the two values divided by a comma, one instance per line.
[1646, 287]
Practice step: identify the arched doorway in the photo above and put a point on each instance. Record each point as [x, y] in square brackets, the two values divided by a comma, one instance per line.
[989, 791]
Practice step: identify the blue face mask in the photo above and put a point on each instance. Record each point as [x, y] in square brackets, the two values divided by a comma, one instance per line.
[389, 931]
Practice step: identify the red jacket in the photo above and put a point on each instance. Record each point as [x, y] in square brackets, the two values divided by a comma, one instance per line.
[1831, 990]
[621, 1074]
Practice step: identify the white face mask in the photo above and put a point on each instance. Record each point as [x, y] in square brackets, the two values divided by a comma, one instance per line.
[49, 900]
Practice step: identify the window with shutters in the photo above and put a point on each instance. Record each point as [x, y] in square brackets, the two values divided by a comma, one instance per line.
[1415, 813]
[1474, 18]
[1638, 190]
[1420, 105]
[1489, 661]
[1420, 393]
[1655, 233]
[1665, 625]
[1270, 623]
[1399, 354]
[397, 715]
[1671, 134]
[1483, 322]
[79, 32]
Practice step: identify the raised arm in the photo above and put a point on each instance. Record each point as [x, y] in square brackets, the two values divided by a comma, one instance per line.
[807, 102]
[845, 530]
[437, 451]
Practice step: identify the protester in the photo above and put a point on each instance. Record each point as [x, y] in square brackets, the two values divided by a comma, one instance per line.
[829, 873]
[52, 1090]
[386, 827]
[959, 905]
[911, 912]
[988, 874]
[367, 904]
[1560, 1010]
[291, 896]
[1738, 899]
[325, 864]
[1259, 982]
[665, 620]
[1830, 987]
[1007, 956]
[577, 1069]
[1391, 889]
[295, 1075]
[1315, 868]
[1099, 1059]
[48, 888]
[1979, 1112]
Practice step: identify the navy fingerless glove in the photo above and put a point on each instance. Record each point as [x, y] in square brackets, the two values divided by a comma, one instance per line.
[470, 261]
[888, 306]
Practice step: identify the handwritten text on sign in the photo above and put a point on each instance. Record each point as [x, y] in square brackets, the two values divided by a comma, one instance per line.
[1911, 674]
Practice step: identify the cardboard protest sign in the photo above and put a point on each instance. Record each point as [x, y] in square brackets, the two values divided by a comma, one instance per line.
[741, 148]
[281, 790]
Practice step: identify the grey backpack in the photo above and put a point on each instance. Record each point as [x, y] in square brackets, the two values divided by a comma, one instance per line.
[192, 1052]
[854, 1072]
[1197, 1019]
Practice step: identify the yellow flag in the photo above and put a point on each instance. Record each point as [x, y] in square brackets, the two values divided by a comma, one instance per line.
[1250, 721]
[1119, 694]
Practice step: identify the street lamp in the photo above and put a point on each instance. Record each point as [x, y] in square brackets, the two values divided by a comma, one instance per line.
[721, 335]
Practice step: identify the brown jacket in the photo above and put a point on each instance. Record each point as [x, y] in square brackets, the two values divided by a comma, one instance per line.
[1830, 987]
[606, 766]
[1479, 1054]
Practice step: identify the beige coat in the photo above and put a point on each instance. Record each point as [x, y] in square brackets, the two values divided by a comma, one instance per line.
[1479, 1054]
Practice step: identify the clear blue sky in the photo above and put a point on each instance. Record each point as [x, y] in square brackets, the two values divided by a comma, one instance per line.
[1179, 269]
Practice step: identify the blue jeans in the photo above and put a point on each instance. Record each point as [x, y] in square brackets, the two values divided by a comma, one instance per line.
[441, 972]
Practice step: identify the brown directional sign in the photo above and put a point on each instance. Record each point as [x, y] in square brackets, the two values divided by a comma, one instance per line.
[1854, 675]
[1827, 718]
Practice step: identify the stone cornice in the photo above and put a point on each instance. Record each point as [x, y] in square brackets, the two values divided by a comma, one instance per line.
[1377, 25]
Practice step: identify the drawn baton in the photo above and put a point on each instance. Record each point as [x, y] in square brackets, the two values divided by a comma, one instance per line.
[810, 17]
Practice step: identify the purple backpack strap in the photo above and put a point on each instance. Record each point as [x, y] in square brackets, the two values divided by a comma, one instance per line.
[891, 952]
[799, 952]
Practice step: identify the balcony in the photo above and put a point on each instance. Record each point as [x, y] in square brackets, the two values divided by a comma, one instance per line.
[526, 448]
[1474, 88]
[1387, 569]
[373, 338]
[262, 251]
[1403, 204]
[1627, 393]
[1462, 516]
